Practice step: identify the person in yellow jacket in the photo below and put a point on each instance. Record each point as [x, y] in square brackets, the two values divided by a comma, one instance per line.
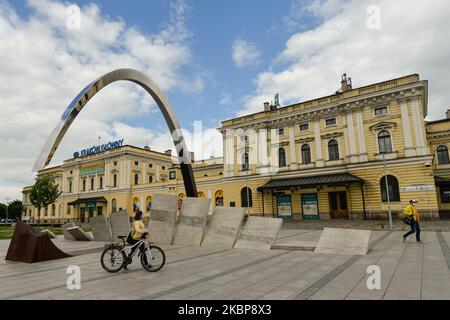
[412, 212]
[137, 232]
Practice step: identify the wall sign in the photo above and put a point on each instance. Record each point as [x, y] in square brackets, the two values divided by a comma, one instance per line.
[99, 148]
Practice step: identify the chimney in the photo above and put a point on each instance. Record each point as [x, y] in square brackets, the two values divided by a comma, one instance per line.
[168, 151]
[266, 106]
[346, 83]
[448, 114]
[192, 156]
[147, 148]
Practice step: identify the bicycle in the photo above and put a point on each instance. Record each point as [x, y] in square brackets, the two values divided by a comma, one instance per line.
[114, 258]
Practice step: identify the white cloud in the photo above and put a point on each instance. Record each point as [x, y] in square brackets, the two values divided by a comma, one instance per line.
[43, 65]
[412, 39]
[245, 53]
[226, 100]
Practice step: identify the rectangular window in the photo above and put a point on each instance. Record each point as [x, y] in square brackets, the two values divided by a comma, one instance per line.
[280, 132]
[304, 127]
[100, 183]
[115, 163]
[136, 163]
[150, 165]
[381, 111]
[445, 194]
[70, 186]
[330, 122]
[244, 138]
[92, 183]
[164, 167]
[84, 184]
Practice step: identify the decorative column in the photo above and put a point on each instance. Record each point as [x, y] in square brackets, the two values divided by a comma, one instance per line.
[292, 148]
[419, 128]
[351, 137]
[318, 139]
[409, 149]
[263, 159]
[361, 137]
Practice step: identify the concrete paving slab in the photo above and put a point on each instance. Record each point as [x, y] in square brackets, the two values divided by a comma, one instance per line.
[344, 241]
[259, 233]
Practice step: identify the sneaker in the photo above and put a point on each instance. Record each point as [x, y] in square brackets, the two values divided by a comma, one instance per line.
[420, 241]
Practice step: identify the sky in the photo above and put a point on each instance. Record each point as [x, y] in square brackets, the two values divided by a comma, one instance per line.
[214, 60]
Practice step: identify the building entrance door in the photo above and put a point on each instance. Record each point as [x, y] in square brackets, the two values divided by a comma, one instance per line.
[338, 205]
[82, 214]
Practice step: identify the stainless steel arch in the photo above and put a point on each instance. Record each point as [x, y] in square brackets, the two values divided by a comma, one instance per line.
[91, 90]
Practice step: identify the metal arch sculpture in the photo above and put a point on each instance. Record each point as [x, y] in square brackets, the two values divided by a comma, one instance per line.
[91, 90]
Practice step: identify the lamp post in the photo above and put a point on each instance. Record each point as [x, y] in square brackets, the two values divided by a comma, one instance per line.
[387, 190]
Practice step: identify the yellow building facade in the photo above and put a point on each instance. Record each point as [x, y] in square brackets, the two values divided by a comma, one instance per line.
[354, 154]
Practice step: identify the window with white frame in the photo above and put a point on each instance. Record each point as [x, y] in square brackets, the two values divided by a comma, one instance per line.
[330, 122]
[381, 111]
[384, 142]
[304, 127]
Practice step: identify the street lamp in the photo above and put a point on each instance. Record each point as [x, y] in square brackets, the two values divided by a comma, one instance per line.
[387, 190]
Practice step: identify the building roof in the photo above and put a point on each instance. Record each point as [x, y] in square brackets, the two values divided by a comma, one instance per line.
[354, 92]
[335, 179]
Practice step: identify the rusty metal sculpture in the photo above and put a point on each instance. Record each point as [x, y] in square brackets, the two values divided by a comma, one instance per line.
[29, 245]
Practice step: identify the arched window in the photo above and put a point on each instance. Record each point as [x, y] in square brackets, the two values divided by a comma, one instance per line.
[149, 203]
[281, 157]
[245, 161]
[394, 191]
[114, 205]
[115, 180]
[306, 154]
[136, 179]
[246, 198]
[333, 150]
[442, 154]
[92, 183]
[384, 142]
[136, 205]
[53, 209]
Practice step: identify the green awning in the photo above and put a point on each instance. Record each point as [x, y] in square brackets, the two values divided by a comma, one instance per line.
[88, 200]
[312, 181]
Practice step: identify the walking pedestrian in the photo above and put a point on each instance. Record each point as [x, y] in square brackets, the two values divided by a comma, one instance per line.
[412, 212]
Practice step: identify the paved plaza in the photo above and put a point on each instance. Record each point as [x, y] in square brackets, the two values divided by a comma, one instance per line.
[292, 271]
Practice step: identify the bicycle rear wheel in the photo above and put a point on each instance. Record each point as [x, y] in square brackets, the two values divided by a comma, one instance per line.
[153, 259]
[113, 259]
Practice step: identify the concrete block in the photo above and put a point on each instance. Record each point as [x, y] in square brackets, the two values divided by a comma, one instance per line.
[66, 234]
[101, 228]
[162, 221]
[79, 234]
[192, 221]
[120, 224]
[223, 229]
[344, 241]
[259, 233]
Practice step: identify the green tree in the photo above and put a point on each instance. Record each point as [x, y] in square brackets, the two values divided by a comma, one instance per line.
[43, 193]
[15, 209]
[3, 210]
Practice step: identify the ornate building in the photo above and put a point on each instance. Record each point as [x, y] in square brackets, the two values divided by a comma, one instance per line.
[354, 154]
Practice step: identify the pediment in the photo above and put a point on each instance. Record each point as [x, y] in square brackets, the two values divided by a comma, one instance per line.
[383, 125]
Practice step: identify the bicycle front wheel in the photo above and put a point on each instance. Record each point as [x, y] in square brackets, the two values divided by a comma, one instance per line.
[153, 259]
[113, 259]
